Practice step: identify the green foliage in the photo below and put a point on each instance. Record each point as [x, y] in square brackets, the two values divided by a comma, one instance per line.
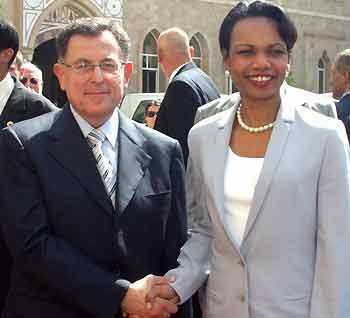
[290, 79]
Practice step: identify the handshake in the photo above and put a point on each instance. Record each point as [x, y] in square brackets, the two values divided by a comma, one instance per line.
[151, 296]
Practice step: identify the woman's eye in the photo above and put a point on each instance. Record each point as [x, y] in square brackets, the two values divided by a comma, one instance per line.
[277, 52]
[245, 52]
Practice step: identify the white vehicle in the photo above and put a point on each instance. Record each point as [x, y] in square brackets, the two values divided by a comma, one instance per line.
[133, 105]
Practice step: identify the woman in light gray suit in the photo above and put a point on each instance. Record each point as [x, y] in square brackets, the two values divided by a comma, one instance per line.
[268, 190]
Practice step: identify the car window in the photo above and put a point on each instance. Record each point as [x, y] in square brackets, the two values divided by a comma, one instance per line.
[140, 110]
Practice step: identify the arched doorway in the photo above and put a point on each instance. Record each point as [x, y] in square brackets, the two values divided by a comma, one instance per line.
[45, 57]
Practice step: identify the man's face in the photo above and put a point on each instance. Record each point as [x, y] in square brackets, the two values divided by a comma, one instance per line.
[32, 80]
[95, 93]
[339, 83]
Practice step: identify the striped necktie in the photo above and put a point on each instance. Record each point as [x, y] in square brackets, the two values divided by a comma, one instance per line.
[95, 139]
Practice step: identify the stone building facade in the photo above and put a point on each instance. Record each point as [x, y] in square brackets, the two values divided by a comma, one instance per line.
[322, 26]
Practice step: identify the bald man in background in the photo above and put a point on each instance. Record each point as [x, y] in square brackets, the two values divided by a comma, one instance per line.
[189, 87]
[341, 87]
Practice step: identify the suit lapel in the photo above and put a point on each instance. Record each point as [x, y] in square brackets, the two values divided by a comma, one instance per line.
[15, 106]
[217, 162]
[132, 162]
[68, 146]
[272, 158]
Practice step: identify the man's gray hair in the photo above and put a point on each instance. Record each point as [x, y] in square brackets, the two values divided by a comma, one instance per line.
[93, 27]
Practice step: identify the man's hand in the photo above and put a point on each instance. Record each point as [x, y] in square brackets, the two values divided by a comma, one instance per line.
[137, 303]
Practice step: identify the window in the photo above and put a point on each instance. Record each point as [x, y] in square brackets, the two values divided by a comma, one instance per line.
[149, 65]
[321, 77]
[197, 54]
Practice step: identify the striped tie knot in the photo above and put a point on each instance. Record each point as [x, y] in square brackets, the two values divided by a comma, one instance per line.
[96, 138]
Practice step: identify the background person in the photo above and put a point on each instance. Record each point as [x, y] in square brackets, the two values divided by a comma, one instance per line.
[102, 198]
[151, 112]
[32, 77]
[341, 87]
[189, 87]
[15, 67]
[16, 104]
[271, 222]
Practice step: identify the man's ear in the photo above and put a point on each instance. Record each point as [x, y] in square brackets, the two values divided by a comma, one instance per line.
[347, 77]
[6, 55]
[59, 72]
[191, 51]
[128, 67]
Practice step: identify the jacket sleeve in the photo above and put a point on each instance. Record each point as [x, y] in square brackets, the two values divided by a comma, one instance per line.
[176, 229]
[36, 250]
[193, 261]
[177, 113]
[331, 287]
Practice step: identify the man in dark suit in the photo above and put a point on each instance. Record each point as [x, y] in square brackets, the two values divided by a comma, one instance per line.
[189, 87]
[91, 202]
[16, 104]
[341, 87]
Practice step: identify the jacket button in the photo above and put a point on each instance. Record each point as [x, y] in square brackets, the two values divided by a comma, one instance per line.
[241, 298]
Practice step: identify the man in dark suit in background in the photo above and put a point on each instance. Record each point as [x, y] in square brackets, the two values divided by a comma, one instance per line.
[102, 200]
[16, 104]
[341, 87]
[189, 87]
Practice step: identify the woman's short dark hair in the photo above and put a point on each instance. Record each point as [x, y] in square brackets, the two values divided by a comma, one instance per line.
[93, 27]
[258, 8]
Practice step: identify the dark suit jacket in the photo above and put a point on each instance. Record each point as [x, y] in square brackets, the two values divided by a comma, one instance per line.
[343, 111]
[22, 104]
[73, 252]
[189, 89]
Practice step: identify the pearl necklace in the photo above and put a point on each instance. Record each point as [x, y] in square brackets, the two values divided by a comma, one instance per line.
[252, 129]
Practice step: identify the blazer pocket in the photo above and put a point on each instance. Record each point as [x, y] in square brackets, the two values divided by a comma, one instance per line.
[157, 195]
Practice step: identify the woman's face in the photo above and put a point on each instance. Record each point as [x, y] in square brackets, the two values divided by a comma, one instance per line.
[257, 59]
[151, 115]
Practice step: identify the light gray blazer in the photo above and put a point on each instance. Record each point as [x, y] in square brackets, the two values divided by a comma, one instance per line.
[319, 103]
[294, 261]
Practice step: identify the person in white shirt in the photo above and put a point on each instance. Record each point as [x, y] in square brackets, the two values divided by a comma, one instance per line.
[268, 189]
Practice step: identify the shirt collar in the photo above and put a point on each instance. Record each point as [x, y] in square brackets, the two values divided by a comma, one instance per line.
[109, 128]
[346, 93]
[175, 72]
[6, 85]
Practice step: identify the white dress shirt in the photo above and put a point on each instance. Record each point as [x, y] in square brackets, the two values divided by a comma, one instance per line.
[110, 130]
[175, 71]
[241, 177]
[6, 88]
